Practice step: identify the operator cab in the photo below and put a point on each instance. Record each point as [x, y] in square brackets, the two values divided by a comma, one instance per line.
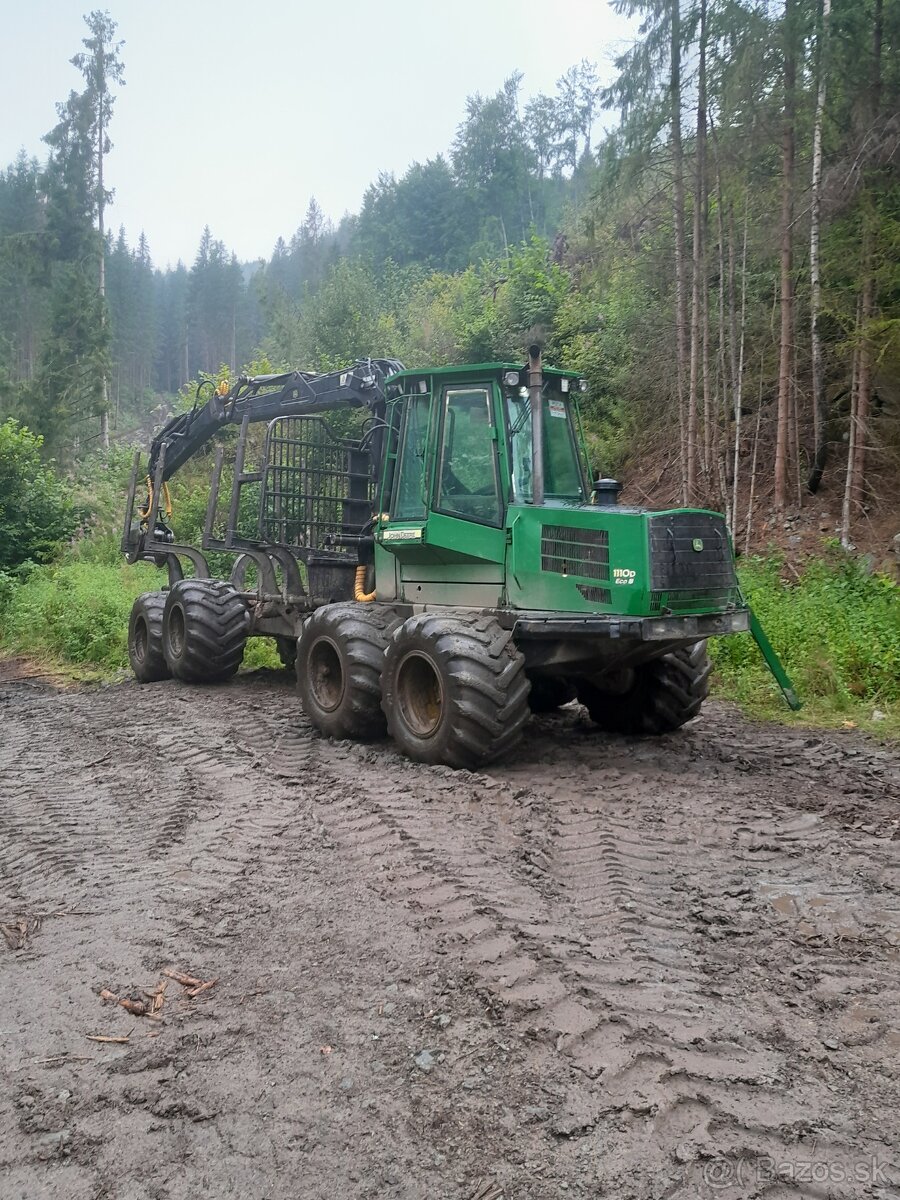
[460, 459]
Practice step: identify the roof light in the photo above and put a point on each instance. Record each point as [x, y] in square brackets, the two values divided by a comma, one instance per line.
[511, 378]
[582, 385]
[423, 386]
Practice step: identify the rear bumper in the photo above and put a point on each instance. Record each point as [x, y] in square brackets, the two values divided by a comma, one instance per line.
[645, 629]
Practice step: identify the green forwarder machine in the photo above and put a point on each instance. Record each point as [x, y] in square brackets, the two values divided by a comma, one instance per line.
[440, 574]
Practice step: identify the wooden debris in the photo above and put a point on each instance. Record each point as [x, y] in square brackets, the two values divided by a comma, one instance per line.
[193, 985]
[114, 1041]
[59, 1059]
[17, 933]
[204, 987]
[188, 981]
[137, 1008]
[159, 998]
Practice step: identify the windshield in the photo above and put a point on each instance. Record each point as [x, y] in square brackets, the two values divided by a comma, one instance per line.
[562, 471]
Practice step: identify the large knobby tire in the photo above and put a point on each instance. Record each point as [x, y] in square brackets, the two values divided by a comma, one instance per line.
[454, 689]
[205, 627]
[145, 640]
[666, 692]
[340, 656]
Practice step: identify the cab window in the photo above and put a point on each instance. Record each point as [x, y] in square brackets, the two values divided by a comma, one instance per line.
[467, 477]
[409, 493]
[562, 470]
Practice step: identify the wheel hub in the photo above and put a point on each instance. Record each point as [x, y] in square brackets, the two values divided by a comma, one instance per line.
[326, 674]
[420, 694]
[176, 631]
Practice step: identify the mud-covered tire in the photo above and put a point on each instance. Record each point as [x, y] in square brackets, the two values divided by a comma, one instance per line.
[145, 640]
[667, 692]
[549, 692]
[340, 657]
[287, 652]
[205, 627]
[454, 689]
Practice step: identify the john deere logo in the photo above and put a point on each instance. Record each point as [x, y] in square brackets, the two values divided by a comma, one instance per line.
[697, 543]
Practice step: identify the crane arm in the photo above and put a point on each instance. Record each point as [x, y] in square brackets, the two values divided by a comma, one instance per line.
[265, 397]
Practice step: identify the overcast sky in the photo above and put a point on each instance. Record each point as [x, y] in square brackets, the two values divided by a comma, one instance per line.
[234, 114]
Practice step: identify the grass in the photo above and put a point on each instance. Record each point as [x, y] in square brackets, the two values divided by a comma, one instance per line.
[74, 617]
[836, 628]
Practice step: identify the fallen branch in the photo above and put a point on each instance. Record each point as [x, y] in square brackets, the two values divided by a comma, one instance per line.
[204, 987]
[97, 761]
[187, 981]
[61, 1058]
[114, 1041]
[136, 1007]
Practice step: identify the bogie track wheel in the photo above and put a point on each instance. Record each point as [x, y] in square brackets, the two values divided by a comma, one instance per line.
[145, 638]
[205, 627]
[340, 655]
[454, 689]
[667, 692]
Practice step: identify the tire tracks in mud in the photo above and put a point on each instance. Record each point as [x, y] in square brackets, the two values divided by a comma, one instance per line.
[614, 927]
[662, 919]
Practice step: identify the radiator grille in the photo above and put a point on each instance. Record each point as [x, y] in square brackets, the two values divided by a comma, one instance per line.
[691, 564]
[581, 552]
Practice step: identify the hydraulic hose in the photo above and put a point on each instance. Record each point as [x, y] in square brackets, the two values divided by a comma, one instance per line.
[359, 583]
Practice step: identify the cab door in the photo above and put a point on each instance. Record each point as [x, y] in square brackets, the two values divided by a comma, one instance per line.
[446, 523]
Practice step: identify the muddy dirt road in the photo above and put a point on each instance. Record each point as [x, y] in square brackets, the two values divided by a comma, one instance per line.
[604, 969]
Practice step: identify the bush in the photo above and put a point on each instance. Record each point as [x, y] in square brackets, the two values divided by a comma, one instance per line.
[36, 513]
[77, 612]
[837, 631]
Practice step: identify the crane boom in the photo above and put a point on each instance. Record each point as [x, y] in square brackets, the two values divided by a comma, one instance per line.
[265, 397]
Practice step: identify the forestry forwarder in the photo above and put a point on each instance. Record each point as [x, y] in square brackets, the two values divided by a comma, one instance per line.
[440, 574]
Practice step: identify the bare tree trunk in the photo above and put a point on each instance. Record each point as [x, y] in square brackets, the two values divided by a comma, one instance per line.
[854, 492]
[787, 278]
[721, 411]
[708, 420]
[681, 351]
[739, 378]
[820, 403]
[864, 378]
[753, 462]
[851, 444]
[698, 264]
[104, 399]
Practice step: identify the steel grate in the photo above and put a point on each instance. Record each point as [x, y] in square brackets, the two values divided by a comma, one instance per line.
[690, 553]
[566, 550]
[314, 485]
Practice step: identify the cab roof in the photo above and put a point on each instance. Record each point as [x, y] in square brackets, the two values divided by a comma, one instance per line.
[468, 369]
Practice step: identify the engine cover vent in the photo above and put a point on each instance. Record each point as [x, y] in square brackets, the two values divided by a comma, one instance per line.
[570, 551]
[595, 595]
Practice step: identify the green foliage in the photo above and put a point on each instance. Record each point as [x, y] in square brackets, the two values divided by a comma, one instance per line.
[76, 612]
[36, 512]
[837, 630]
